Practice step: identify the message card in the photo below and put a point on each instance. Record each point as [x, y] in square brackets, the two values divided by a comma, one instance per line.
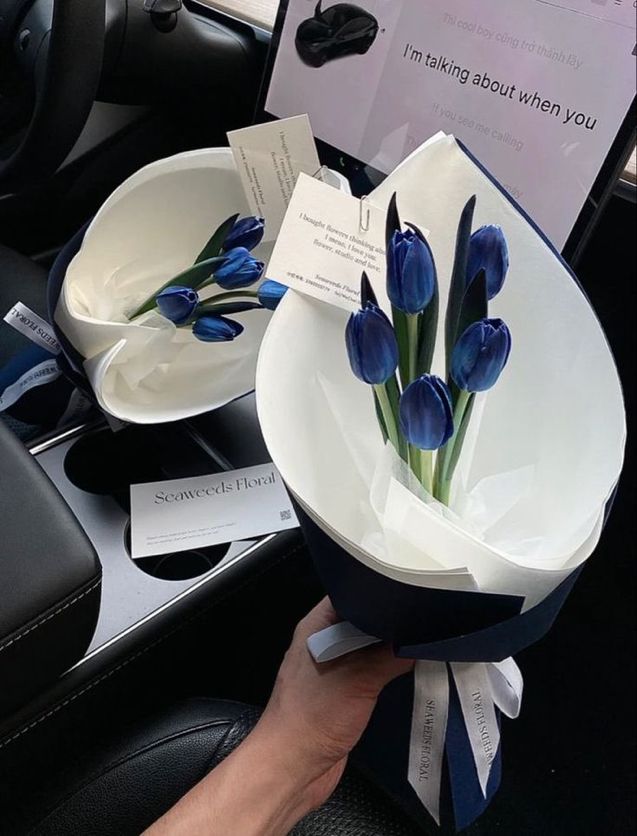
[328, 239]
[269, 159]
[183, 514]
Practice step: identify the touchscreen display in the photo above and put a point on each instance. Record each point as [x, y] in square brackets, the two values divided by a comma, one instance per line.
[537, 90]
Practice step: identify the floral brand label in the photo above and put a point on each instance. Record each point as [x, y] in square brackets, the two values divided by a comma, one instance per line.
[183, 514]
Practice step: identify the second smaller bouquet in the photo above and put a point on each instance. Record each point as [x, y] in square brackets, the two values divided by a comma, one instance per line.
[171, 263]
[426, 417]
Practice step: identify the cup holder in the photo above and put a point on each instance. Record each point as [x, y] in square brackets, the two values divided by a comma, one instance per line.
[179, 566]
[106, 464]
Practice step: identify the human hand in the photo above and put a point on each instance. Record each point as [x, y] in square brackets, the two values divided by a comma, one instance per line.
[294, 758]
[317, 713]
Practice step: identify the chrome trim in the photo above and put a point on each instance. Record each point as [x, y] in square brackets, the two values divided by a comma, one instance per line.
[207, 448]
[66, 435]
[626, 189]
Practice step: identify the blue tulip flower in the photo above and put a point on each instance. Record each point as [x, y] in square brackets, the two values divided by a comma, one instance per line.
[411, 273]
[216, 329]
[371, 345]
[488, 251]
[247, 232]
[270, 294]
[426, 413]
[240, 269]
[177, 303]
[480, 355]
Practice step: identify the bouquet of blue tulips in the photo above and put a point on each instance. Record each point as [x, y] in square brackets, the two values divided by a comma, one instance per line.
[137, 296]
[418, 411]
[226, 262]
[450, 510]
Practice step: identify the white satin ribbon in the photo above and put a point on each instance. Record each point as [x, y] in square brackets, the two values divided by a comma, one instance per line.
[481, 687]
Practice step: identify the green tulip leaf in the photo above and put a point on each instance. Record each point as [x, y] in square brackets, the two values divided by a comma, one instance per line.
[401, 329]
[475, 304]
[459, 277]
[427, 334]
[461, 433]
[214, 245]
[367, 292]
[428, 325]
[449, 456]
[226, 308]
[391, 391]
[393, 221]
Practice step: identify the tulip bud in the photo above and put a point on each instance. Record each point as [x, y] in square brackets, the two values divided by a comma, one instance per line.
[270, 294]
[239, 270]
[371, 345]
[411, 272]
[426, 413]
[480, 355]
[488, 251]
[216, 329]
[247, 232]
[177, 303]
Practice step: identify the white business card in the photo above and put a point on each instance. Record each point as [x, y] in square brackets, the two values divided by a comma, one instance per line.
[327, 240]
[269, 159]
[183, 514]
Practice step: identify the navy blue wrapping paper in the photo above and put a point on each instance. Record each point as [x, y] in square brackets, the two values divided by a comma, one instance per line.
[70, 361]
[422, 623]
[433, 624]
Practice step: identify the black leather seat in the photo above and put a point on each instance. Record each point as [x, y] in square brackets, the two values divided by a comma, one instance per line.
[123, 789]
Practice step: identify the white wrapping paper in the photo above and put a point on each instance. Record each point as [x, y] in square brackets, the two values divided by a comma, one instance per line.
[547, 443]
[150, 229]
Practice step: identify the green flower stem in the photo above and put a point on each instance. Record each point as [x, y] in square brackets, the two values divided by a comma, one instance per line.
[232, 294]
[450, 454]
[208, 282]
[387, 398]
[394, 392]
[388, 414]
[427, 469]
[193, 277]
[381, 418]
[400, 327]
[219, 306]
[413, 342]
[421, 463]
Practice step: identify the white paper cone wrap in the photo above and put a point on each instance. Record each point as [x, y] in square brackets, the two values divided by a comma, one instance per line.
[546, 444]
[149, 230]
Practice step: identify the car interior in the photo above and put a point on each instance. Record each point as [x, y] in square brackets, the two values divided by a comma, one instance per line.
[123, 682]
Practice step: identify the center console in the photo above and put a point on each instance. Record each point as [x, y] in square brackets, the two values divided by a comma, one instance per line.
[93, 467]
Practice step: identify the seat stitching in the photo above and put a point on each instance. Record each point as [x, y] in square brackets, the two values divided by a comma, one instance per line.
[43, 717]
[210, 763]
[51, 615]
[141, 751]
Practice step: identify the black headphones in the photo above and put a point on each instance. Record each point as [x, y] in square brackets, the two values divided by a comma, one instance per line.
[343, 29]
